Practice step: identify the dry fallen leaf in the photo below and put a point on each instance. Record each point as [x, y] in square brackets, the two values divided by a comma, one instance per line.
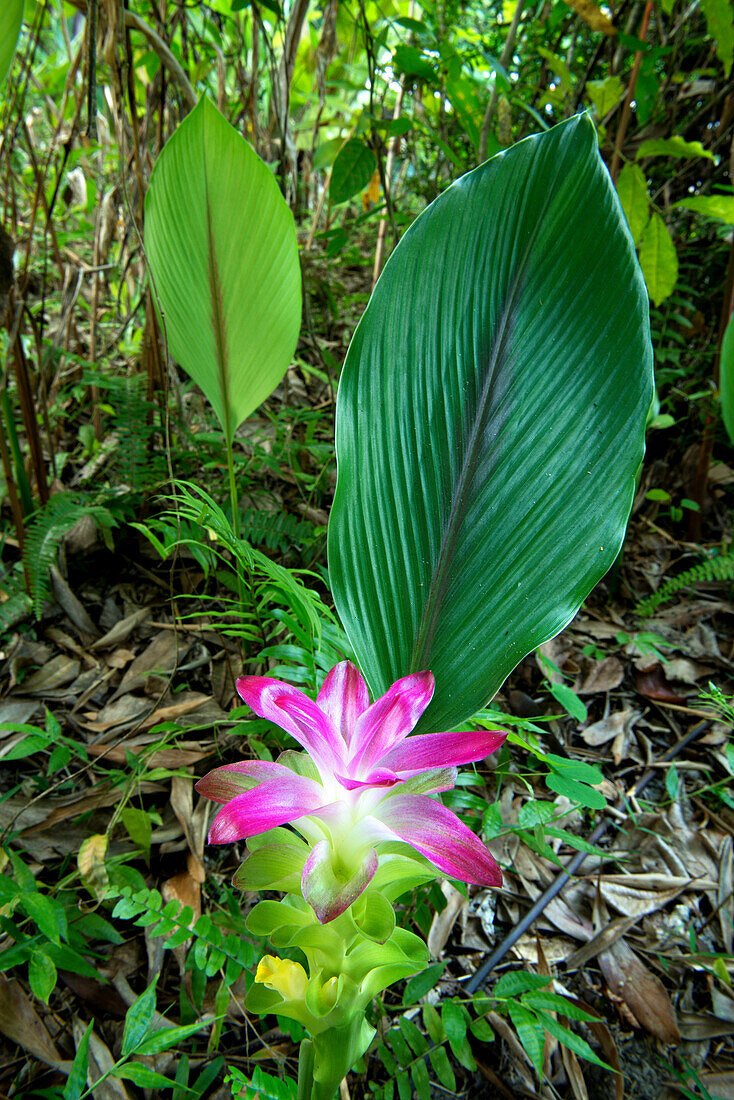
[444, 921]
[121, 631]
[642, 991]
[593, 16]
[20, 1022]
[597, 676]
[91, 864]
[161, 655]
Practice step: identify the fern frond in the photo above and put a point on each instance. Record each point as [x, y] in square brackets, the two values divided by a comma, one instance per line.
[278, 531]
[212, 947]
[45, 531]
[720, 568]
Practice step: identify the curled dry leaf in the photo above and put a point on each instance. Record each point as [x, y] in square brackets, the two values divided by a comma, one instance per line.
[641, 991]
[597, 676]
[162, 655]
[91, 864]
[121, 631]
[598, 733]
[443, 922]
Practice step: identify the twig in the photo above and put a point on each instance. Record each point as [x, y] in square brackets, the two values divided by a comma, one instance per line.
[504, 62]
[624, 120]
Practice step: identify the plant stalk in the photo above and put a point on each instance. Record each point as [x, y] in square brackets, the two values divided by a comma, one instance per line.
[305, 1070]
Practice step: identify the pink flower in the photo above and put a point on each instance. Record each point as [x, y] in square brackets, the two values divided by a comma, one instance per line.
[363, 782]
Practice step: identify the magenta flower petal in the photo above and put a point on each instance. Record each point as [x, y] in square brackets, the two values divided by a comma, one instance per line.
[272, 803]
[388, 721]
[225, 783]
[292, 710]
[344, 698]
[438, 750]
[439, 835]
[327, 895]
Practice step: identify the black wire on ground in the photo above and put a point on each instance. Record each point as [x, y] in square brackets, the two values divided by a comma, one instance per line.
[480, 975]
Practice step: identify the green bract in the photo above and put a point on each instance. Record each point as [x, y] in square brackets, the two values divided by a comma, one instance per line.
[490, 423]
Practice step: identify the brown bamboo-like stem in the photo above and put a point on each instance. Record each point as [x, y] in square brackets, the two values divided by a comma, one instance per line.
[28, 412]
[392, 151]
[627, 108]
[504, 61]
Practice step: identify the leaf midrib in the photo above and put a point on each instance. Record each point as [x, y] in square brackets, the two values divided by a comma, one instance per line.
[220, 332]
[440, 580]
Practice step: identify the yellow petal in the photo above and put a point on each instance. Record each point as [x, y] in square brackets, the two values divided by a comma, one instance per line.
[285, 977]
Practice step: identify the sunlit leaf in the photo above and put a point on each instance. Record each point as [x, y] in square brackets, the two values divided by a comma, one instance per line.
[720, 207]
[221, 244]
[632, 191]
[593, 16]
[658, 260]
[720, 23]
[673, 147]
[605, 94]
[490, 423]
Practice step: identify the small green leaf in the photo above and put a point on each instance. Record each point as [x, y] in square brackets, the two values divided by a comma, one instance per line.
[554, 1002]
[570, 1039]
[138, 1019]
[574, 769]
[167, 1037]
[352, 171]
[432, 1023]
[569, 700]
[77, 1080]
[672, 782]
[518, 981]
[43, 913]
[421, 1080]
[576, 792]
[139, 827]
[673, 147]
[530, 1034]
[142, 1075]
[409, 60]
[632, 191]
[41, 975]
[404, 1090]
[534, 813]
[442, 1068]
[417, 987]
[482, 1029]
[720, 207]
[415, 1039]
[605, 94]
[658, 260]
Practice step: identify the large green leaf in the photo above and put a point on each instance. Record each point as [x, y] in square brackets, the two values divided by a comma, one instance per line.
[726, 379]
[490, 422]
[222, 249]
[11, 17]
